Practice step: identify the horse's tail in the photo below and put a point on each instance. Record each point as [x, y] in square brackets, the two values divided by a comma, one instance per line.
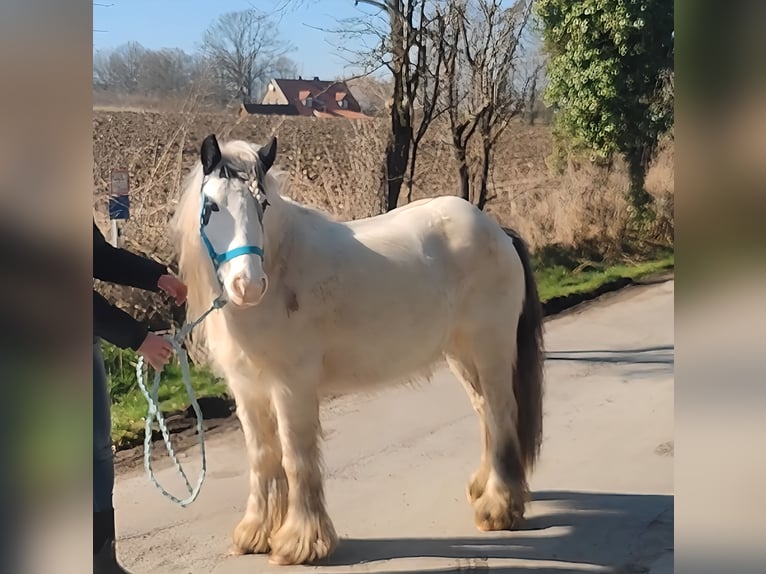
[528, 370]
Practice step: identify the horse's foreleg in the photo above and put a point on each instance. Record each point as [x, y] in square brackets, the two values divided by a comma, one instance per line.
[307, 533]
[267, 501]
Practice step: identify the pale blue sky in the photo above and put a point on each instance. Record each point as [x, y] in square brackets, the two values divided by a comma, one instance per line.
[181, 24]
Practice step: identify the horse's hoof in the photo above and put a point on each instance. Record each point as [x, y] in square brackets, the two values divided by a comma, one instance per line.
[498, 511]
[504, 521]
[278, 560]
[250, 537]
[303, 542]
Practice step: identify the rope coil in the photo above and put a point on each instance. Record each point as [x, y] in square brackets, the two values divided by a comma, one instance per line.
[152, 398]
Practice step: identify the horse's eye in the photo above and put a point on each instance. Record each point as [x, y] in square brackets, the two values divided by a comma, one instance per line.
[210, 207]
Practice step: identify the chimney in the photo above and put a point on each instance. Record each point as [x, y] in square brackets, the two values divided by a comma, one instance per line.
[316, 78]
[300, 78]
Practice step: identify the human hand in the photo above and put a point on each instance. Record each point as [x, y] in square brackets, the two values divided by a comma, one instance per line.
[174, 287]
[156, 350]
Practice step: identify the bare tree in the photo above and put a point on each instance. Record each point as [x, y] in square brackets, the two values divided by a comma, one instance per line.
[404, 45]
[535, 67]
[457, 86]
[101, 72]
[503, 85]
[120, 69]
[166, 72]
[133, 69]
[243, 48]
[486, 83]
[284, 67]
[410, 48]
[372, 94]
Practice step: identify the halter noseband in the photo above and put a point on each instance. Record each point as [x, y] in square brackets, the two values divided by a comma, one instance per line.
[219, 258]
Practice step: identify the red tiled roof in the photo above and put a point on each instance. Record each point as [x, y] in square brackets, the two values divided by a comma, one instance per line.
[325, 96]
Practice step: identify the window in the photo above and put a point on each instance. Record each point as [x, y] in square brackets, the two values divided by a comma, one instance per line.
[343, 104]
[308, 102]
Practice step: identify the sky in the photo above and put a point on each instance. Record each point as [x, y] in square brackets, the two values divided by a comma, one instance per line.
[181, 24]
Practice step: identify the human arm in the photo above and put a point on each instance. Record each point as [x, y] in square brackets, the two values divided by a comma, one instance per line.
[116, 326]
[120, 329]
[122, 267]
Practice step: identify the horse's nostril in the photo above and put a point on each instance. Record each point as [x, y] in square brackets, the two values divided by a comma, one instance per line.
[240, 286]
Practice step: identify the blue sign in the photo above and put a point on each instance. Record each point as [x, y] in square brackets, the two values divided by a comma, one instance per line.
[119, 200]
[119, 207]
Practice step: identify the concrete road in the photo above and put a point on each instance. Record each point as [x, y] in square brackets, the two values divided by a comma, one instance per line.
[397, 464]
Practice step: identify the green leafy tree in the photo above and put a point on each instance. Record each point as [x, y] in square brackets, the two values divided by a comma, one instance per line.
[610, 65]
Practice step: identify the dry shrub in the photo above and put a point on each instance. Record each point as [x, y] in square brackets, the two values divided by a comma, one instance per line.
[584, 209]
[343, 178]
[592, 209]
[660, 183]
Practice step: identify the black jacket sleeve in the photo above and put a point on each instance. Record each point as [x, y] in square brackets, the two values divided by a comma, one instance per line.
[116, 326]
[122, 267]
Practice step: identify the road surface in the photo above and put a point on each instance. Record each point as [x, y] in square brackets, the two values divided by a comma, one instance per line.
[397, 464]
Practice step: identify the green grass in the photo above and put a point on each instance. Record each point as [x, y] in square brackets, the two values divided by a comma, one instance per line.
[559, 280]
[129, 406]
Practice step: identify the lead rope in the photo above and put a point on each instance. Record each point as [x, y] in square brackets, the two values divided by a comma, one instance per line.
[153, 397]
[155, 412]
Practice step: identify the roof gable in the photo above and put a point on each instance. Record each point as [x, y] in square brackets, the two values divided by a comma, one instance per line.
[326, 95]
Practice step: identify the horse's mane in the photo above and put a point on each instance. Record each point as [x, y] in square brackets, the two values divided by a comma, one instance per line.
[188, 245]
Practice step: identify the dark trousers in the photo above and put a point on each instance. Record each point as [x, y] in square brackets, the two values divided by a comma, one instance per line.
[103, 461]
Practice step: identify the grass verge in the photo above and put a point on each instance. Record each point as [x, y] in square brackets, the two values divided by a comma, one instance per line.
[560, 281]
[129, 406]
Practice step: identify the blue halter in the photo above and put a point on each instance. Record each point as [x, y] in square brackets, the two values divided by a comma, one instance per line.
[219, 258]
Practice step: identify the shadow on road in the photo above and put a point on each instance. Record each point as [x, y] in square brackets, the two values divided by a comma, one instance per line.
[584, 531]
[635, 363]
[664, 355]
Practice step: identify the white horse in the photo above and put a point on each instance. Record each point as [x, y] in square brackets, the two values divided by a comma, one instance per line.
[317, 305]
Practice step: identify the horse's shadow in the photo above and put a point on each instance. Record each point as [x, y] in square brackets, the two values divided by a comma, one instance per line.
[581, 531]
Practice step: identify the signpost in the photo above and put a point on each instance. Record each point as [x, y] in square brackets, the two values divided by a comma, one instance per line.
[119, 201]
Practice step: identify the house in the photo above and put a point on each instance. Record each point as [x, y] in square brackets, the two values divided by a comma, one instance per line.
[317, 98]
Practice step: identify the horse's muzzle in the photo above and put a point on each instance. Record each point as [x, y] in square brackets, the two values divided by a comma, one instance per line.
[245, 292]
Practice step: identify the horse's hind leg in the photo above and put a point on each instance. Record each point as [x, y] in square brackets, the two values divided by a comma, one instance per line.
[307, 533]
[466, 373]
[501, 504]
[267, 501]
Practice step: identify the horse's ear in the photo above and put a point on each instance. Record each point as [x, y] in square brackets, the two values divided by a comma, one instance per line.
[210, 154]
[268, 153]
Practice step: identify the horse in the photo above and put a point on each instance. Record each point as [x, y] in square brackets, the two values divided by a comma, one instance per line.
[315, 305]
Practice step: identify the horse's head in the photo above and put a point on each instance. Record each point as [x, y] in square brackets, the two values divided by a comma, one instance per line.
[232, 205]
